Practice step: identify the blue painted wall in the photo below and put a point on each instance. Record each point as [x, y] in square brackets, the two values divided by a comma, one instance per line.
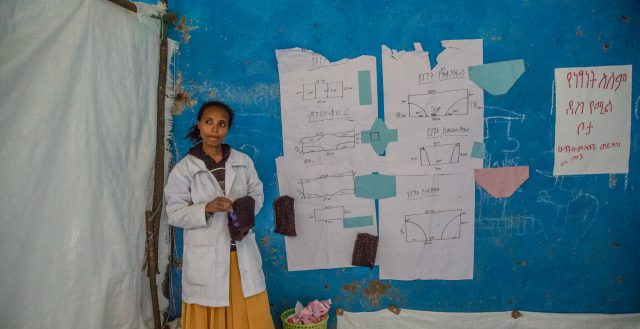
[567, 244]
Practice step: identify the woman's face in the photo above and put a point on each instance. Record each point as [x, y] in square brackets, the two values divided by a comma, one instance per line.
[214, 126]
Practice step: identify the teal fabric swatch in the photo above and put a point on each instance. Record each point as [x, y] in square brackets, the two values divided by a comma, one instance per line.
[364, 87]
[478, 150]
[357, 222]
[497, 78]
[379, 136]
[375, 186]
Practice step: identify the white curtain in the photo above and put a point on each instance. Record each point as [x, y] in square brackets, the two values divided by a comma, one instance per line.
[77, 137]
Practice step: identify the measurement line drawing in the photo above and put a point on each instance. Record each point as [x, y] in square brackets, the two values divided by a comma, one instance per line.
[433, 225]
[328, 185]
[443, 103]
[327, 142]
[328, 214]
[320, 90]
[440, 154]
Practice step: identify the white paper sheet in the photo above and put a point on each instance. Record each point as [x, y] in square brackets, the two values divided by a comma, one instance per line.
[439, 112]
[593, 120]
[411, 319]
[324, 200]
[426, 231]
[323, 111]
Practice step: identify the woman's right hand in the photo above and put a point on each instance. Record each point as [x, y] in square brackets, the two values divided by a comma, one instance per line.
[219, 204]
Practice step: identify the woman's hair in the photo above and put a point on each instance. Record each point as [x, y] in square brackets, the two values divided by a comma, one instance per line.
[194, 132]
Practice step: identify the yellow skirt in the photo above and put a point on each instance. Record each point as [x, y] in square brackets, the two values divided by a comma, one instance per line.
[242, 313]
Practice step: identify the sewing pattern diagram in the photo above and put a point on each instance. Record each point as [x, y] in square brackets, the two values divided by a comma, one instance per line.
[433, 225]
[440, 154]
[320, 90]
[328, 214]
[450, 102]
[322, 108]
[427, 229]
[438, 111]
[323, 142]
[325, 210]
[328, 185]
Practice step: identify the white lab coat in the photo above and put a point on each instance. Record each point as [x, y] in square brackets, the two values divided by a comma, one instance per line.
[206, 254]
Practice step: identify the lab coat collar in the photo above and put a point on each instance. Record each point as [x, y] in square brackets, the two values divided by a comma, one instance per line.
[198, 151]
[235, 159]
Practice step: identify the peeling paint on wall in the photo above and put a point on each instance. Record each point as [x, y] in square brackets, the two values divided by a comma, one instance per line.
[613, 181]
[183, 97]
[351, 287]
[375, 291]
[372, 294]
[265, 240]
[185, 27]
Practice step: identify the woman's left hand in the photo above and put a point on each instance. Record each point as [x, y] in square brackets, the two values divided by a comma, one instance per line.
[219, 204]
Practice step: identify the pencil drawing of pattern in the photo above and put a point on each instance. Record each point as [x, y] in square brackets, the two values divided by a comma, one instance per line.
[452, 102]
[436, 225]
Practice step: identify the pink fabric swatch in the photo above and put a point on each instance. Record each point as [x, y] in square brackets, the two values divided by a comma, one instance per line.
[501, 182]
[316, 311]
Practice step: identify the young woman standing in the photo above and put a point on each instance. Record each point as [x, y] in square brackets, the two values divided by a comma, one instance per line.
[223, 285]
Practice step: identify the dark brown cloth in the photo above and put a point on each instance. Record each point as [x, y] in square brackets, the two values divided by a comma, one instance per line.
[284, 215]
[245, 219]
[365, 249]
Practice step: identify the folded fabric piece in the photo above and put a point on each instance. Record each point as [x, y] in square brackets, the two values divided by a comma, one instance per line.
[497, 78]
[316, 311]
[501, 182]
[365, 249]
[284, 215]
[242, 218]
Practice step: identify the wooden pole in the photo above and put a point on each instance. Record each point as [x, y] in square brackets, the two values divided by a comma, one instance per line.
[153, 223]
[153, 217]
[169, 17]
[126, 4]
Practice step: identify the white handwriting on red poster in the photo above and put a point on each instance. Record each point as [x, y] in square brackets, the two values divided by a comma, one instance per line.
[593, 120]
